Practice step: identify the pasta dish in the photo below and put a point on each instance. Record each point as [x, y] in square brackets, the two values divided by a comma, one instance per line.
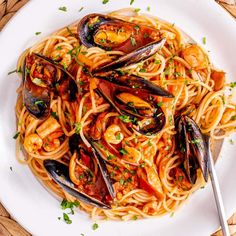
[112, 112]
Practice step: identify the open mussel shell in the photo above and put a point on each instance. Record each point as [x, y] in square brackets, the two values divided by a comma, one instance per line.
[133, 82]
[60, 174]
[36, 96]
[97, 30]
[74, 144]
[134, 57]
[148, 118]
[66, 86]
[192, 144]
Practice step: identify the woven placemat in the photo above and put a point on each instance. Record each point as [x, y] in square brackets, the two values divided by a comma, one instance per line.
[8, 227]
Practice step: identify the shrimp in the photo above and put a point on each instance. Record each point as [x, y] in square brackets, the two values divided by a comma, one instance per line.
[113, 134]
[219, 79]
[195, 57]
[33, 143]
[52, 142]
[62, 56]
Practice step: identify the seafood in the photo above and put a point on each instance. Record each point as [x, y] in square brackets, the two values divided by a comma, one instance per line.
[33, 143]
[193, 146]
[131, 96]
[97, 30]
[40, 76]
[86, 178]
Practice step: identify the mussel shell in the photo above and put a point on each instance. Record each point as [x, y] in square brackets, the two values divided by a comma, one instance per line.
[134, 57]
[66, 85]
[60, 174]
[90, 25]
[74, 144]
[35, 98]
[192, 144]
[133, 82]
[153, 124]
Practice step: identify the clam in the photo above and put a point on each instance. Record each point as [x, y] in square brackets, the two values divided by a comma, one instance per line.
[41, 75]
[132, 96]
[192, 145]
[97, 30]
[87, 181]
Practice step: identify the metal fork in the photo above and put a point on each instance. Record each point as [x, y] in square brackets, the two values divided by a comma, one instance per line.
[216, 190]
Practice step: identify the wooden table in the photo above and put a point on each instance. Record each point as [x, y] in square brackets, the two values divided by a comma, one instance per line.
[9, 227]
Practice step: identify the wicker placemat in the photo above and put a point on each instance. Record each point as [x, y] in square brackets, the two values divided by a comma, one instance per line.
[8, 227]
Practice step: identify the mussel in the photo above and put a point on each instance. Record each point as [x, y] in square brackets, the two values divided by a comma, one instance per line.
[136, 56]
[192, 145]
[89, 180]
[132, 96]
[97, 30]
[42, 75]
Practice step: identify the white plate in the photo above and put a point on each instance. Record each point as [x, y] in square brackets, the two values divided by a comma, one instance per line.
[21, 193]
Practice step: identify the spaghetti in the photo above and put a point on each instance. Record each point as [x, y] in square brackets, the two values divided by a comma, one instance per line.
[146, 174]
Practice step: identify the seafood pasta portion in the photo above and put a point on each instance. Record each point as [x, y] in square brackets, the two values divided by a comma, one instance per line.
[112, 112]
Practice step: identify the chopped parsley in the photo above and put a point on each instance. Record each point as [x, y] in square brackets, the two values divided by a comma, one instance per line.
[16, 135]
[231, 141]
[204, 40]
[63, 8]
[143, 70]
[159, 104]
[158, 62]
[172, 214]
[121, 181]
[137, 10]
[118, 136]
[136, 27]
[148, 8]
[135, 217]
[105, 1]
[70, 32]
[133, 41]
[68, 205]
[131, 2]
[12, 72]
[78, 127]
[123, 151]
[81, 9]
[95, 226]
[38, 33]
[125, 119]
[38, 102]
[66, 218]
[145, 35]
[233, 118]
[232, 85]
[142, 165]
[54, 115]
[180, 178]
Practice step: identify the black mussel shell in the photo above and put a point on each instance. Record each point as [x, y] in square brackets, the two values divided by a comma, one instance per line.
[60, 174]
[134, 82]
[134, 57]
[193, 146]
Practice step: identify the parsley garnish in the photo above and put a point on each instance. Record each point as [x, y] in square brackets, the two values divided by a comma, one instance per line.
[62, 8]
[70, 32]
[121, 181]
[81, 9]
[67, 218]
[95, 226]
[54, 115]
[148, 8]
[159, 104]
[105, 1]
[180, 178]
[131, 2]
[204, 40]
[37, 33]
[137, 10]
[125, 119]
[123, 151]
[145, 35]
[231, 141]
[39, 102]
[77, 127]
[136, 27]
[143, 70]
[232, 85]
[158, 62]
[133, 41]
[135, 217]
[16, 135]
[118, 136]
[12, 72]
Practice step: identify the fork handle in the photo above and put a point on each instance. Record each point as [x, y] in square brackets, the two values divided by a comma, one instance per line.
[217, 194]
